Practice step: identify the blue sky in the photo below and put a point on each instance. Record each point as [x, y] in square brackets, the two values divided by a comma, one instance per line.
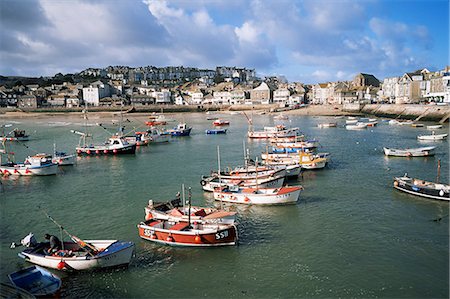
[308, 41]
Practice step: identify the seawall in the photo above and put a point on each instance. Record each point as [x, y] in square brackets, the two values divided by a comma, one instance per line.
[419, 112]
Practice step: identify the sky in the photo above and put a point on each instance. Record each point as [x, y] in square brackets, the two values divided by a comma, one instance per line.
[309, 41]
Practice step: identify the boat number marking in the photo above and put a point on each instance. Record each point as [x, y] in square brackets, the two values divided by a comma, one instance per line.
[222, 234]
[148, 232]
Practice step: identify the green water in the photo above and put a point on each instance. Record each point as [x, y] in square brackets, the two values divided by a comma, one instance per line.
[350, 235]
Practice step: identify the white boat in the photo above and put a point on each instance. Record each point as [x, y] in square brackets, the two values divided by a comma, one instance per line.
[257, 196]
[357, 126]
[410, 152]
[210, 183]
[80, 255]
[351, 121]
[311, 161]
[274, 132]
[39, 164]
[156, 136]
[434, 127]
[400, 123]
[432, 137]
[281, 116]
[327, 125]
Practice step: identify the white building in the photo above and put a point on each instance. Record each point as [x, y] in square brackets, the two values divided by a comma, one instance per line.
[95, 92]
[162, 97]
[281, 96]
[221, 98]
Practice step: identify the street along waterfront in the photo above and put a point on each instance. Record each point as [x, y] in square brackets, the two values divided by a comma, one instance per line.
[350, 235]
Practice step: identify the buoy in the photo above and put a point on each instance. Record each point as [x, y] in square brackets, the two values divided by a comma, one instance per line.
[395, 183]
[16, 171]
[61, 265]
[441, 193]
[115, 151]
[246, 199]
[105, 151]
[169, 239]
[88, 152]
[197, 239]
[78, 151]
[97, 152]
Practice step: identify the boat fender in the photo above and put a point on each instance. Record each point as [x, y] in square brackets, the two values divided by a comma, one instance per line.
[395, 183]
[197, 239]
[441, 193]
[203, 182]
[61, 265]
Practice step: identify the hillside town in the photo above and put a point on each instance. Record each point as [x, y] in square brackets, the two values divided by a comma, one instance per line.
[143, 86]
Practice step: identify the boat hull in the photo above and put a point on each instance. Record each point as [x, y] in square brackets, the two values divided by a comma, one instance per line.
[115, 253]
[281, 196]
[413, 152]
[37, 281]
[26, 170]
[106, 150]
[215, 132]
[224, 235]
[422, 188]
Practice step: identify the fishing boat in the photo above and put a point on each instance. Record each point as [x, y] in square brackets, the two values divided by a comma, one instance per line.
[293, 168]
[258, 196]
[139, 138]
[311, 161]
[278, 131]
[115, 145]
[216, 131]
[39, 164]
[351, 121]
[432, 137]
[220, 122]
[410, 152]
[175, 210]
[422, 188]
[14, 135]
[62, 158]
[371, 123]
[36, 281]
[185, 233]
[76, 254]
[249, 172]
[327, 125]
[180, 130]
[434, 127]
[157, 136]
[212, 182]
[357, 126]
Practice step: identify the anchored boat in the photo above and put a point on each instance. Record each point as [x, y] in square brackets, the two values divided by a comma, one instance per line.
[410, 152]
[37, 281]
[258, 196]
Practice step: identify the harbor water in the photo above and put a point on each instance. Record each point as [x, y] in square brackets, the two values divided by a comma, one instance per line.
[351, 234]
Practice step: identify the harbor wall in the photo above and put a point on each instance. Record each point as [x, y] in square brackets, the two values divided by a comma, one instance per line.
[423, 112]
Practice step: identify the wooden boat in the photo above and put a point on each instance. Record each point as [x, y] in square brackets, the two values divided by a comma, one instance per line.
[258, 196]
[175, 211]
[410, 152]
[79, 254]
[357, 126]
[279, 131]
[15, 135]
[434, 127]
[327, 125]
[39, 164]
[220, 122]
[37, 281]
[432, 137]
[210, 183]
[180, 130]
[422, 188]
[216, 131]
[184, 233]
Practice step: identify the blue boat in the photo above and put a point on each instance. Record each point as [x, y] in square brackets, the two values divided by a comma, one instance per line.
[36, 280]
[181, 130]
[216, 131]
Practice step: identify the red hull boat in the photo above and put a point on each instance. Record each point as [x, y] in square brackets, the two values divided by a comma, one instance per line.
[185, 234]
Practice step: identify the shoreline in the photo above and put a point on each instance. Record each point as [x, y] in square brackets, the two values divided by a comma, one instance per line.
[411, 112]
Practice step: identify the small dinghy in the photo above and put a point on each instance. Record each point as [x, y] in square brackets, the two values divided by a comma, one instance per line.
[434, 127]
[422, 188]
[36, 281]
[410, 152]
[257, 196]
[432, 137]
[216, 131]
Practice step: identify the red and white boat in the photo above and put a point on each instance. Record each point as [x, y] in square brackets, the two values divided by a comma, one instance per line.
[185, 233]
[210, 183]
[278, 131]
[39, 164]
[174, 211]
[256, 196]
[221, 122]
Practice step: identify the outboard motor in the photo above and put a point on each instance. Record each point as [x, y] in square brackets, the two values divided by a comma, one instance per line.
[29, 241]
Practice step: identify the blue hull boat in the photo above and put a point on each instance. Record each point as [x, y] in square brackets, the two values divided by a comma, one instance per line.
[36, 280]
[180, 130]
[218, 131]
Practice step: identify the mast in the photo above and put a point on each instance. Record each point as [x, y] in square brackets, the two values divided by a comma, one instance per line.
[438, 171]
[220, 180]
[189, 203]
[256, 178]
